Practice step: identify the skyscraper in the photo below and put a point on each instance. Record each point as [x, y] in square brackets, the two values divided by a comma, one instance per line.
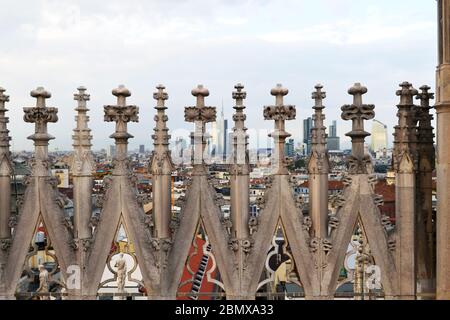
[307, 125]
[110, 152]
[289, 149]
[141, 149]
[219, 137]
[333, 142]
[379, 136]
[180, 147]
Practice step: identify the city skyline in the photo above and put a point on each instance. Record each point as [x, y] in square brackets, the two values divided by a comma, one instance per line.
[147, 41]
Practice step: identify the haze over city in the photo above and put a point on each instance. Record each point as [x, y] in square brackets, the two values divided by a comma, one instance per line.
[98, 44]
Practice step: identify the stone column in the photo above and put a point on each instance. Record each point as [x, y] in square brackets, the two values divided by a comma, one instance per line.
[161, 167]
[200, 115]
[405, 166]
[443, 161]
[5, 194]
[279, 113]
[240, 169]
[82, 169]
[239, 179]
[318, 169]
[425, 226]
[5, 173]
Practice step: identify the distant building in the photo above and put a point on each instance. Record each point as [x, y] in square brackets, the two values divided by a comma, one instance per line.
[289, 149]
[307, 126]
[219, 137]
[180, 147]
[379, 137]
[110, 152]
[333, 142]
[141, 149]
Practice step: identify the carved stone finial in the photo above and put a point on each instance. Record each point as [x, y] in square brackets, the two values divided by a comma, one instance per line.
[318, 96]
[318, 131]
[3, 97]
[5, 159]
[358, 112]
[121, 114]
[160, 96]
[425, 96]
[4, 132]
[200, 112]
[318, 162]
[161, 161]
[40, 115]
[82, 163]
[200, 115]
[82, 136]
[406, 94]
[406, 134]
[239, 136]
[279, 113]
[239, 95]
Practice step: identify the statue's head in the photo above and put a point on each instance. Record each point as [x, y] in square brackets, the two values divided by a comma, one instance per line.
[41, 267]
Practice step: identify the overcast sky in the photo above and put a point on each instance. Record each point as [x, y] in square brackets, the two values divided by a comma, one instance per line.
[101, 44]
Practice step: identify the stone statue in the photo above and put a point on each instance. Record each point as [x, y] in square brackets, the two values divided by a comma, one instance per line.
[121, 266]
[43, 282]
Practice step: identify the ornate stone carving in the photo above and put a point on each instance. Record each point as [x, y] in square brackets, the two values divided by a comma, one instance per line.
[99, 200]
[307, 224]
[86, 244]
[161, 161]
[406, 135]
[67, 222]
[338, 200]
[386, 223]
[327, 246]
[95, 220]
[299, 202]
[314, 245]
[19, 202]
[247, 245]
[219, 200]
[5, 244]
[333, 222]
[253, 225]
[40, 115]
[147, 221]
[174, 224]
[13, 220]
[261, 202]
[74, 244]
[378, 200]
[318, 160]
[121, 114]
[200, 115]
[279, 113]
[357, 113]
[347, 180]
[142, 198]
[392, 244]
[233, 244]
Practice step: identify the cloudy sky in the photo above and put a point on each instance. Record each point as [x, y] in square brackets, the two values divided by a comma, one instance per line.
[181, 43]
